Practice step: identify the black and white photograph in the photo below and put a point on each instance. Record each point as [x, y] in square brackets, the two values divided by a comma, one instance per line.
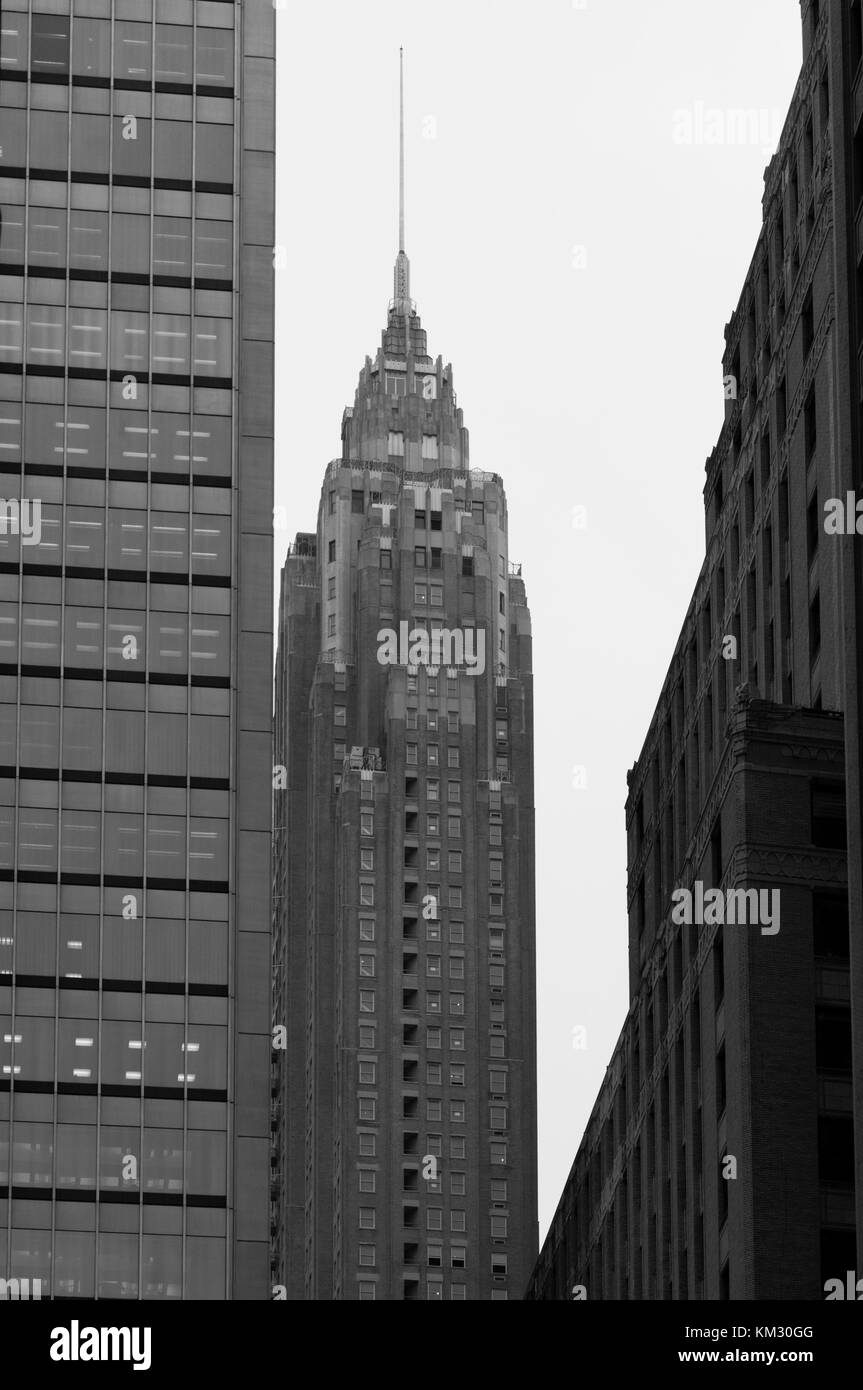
[431, 674]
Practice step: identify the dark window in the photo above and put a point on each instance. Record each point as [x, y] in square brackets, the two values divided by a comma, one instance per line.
[436, 558]
[828, 815]
[331, 551]
[835, 1149]
[49, 51]
[467, 566]
[809, 424]
[833, 1041]
[357, 501]
[830, 926]
[437, 521]
[419, 520]
[386, 559]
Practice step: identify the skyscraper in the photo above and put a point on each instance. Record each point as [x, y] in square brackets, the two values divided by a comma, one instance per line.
[136, 197]
[405, 1110]
[719, 1161]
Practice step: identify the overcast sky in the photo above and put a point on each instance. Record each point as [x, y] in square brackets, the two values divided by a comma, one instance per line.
[576, 262]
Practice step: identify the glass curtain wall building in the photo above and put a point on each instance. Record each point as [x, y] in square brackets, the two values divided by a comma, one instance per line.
[136, 206]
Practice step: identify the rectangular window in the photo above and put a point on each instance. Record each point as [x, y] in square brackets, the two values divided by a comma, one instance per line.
[368, 1180]
[456, 967]
[458, 1148]
[434, 1075]
[386, 560]
[396, 442]
[436, 596]
[453, 827]
[458, 1258]
[433, 1110]
[368, 1145]
[367, 894]
[457, 1221]
[433, 965]
[453, 791]
[433, 1002]
[433, 753]
[340, 715]
[368, 1073]
[433, 1037]
[412, 754]
[411, 718]
[497, 1116]
[429, 447]
[420, 593]
[457, 1112]
[454, 861]
[367, 1001]
[452, 722]
[456, 1075]
[367, 1218]
[367, 859]
[366, 1107]
[367, 965]
[432, 789]
[367, 1035]
[453, 757]
[458, 1185]
[456, 1004]
[367, 823]
[497, 1081]
[420, 557]
[331, 552]
[432, 825]
[455, 898]
[497, 1153]
[456, 1039]
[368, 1254]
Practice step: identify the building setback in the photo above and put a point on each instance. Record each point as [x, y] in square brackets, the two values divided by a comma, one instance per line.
[404, 869]
[719, 1159]
[136, 233]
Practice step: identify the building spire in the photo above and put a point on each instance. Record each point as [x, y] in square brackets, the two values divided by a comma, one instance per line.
[402, 289]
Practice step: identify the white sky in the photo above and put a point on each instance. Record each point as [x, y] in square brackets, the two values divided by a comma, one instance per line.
[600, 387]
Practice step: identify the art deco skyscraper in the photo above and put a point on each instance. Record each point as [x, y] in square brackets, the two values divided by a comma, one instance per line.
[136, 198]
[404, 926]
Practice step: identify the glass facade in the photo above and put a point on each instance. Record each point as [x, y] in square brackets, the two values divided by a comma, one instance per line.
[130, 746]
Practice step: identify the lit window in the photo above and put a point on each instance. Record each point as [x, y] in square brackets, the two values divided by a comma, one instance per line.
[431, 683]
[433, 860]
[432, 825]
[433, 931]
[433, 754]
[432, 720]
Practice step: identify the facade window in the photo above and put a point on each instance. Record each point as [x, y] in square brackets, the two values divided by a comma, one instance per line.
[497, 1045]
[456, 967]
[367, 894]
[456, 1004]
[497, 1153]
[411, 717]
[420, 593]
[396, 443]
[433, 966]
[368, 1145]
[433, 1037]
[432, 825]
[366, 1107]
[458, 1148]
[434, 1072]
[367, 965]
[431, 720]
[433, 1002]
[457, 1293]
[498, 1264]
[367, 1218]
[453, 757]
[367, 1180]
[436, 558]
[367, 1035]
[396, 383]
[436, 596]
[457, 1221]
[331, 552]
[340, 715]
[495, 976]
[458, 1257]
[467, 566]
[367, 859]
[456, 1039]
[366, 1293]
[339, 752]
[453, 827]
[386, 559]
[367, 1001]
[458, 1185]
[433, 931]
[412, 685]
[433, 1110]
[434, 1291]
[431, 682]
[368, 1073]
[456, 1075]
[456, 933]
[495, 834]
[433, 752]
[497, 1116]
[434, 1145]
[498, 1190]
[434, 1258]
[412, 754]
[331, 587]
[420, 557]
[429, 447]
[452, 722]
[497, 1082]
[367, 823]
[332, 504]
[454, 861]
[368, 1255]
[453, 791]
[331, 625]
[432, 789]
[455, 897]
[457, 1111]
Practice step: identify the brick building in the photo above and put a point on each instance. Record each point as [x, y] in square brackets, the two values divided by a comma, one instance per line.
[719, 1159]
